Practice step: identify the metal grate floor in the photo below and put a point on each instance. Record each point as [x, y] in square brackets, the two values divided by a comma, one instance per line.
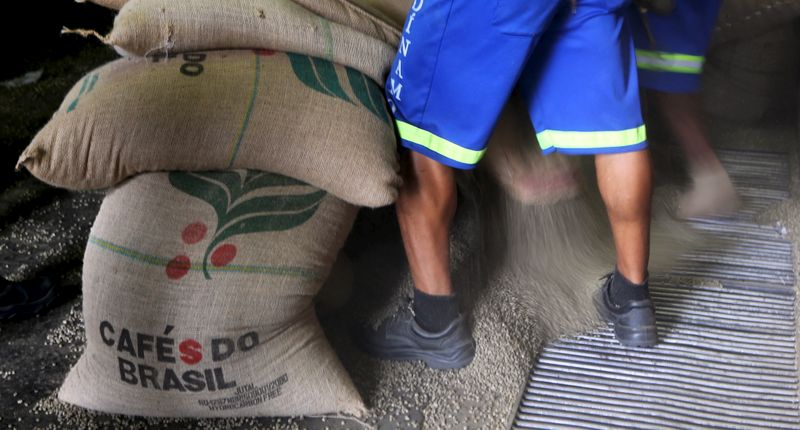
[727, 356]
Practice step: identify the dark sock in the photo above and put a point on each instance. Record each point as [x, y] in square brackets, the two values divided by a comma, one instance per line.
[623, 290]
[434, 313]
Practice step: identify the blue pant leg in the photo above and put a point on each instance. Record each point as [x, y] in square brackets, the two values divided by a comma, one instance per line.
[673, 60]
[457, 63]
[581, 84]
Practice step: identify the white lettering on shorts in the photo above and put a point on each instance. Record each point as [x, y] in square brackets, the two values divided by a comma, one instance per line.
[396, 86]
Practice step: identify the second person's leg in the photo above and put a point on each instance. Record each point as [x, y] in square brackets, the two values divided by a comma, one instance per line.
[670, 63]
[584, 99]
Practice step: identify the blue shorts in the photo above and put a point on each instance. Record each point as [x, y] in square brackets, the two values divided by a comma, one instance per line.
[459, 61]
[671, 56]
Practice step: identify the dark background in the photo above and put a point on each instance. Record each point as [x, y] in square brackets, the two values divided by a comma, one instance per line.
[32, 32]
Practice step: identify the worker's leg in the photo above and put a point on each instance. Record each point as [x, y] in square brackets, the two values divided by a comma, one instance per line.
[712, 192]
[425, 209]
[457, 63]
[681, 112]
[584, 100]
[670, 57]
[625, 184]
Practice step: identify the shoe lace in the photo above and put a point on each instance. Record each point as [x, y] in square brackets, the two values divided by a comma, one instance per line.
[409, 307]
[404, 310]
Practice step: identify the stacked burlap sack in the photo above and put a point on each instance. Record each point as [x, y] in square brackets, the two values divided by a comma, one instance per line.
[746, 19]
[755, 77]
[236, 173]
[377, 18]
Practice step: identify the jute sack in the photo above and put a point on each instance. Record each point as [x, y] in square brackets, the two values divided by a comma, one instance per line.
[746, 19]
[745, 79]
[394, 10]
[366, 16]
[375, 18]
[145, 27]
[197, 299]
[285, 113]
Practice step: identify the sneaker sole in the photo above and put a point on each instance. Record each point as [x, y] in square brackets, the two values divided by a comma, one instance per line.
[435, 360]
[635, 337]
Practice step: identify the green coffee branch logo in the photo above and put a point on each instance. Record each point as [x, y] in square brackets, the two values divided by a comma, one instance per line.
[241, 206]
[320, 75]
[86, 87]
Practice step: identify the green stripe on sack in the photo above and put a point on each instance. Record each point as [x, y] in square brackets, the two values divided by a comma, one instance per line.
[437, 144]
[155, 260]
[326, 25]
[591, 139]
[248, 113]
[74, 103]
[669, 62]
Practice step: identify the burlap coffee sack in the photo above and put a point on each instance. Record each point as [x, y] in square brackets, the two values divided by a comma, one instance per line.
[741, 20]
[285, 113]
[747, 79]
[368, 17]
[375, 18]
[197, 298]
[156, 26]
[394, 10]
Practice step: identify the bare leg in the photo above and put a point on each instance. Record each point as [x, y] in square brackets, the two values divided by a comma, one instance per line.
[425, 210]
[625, 183]
[712, 190]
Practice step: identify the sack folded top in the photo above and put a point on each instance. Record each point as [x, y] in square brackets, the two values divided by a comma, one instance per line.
[145, 27]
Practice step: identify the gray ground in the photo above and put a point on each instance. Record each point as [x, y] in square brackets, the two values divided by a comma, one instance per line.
[43, 231]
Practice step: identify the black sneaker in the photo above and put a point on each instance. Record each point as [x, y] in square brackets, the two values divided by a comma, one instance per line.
[399, 337]
[634, 321]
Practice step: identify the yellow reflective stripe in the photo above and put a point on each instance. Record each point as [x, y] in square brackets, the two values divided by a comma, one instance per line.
[669, 62]
[591, 139]
[669, 55]
[437, 144]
